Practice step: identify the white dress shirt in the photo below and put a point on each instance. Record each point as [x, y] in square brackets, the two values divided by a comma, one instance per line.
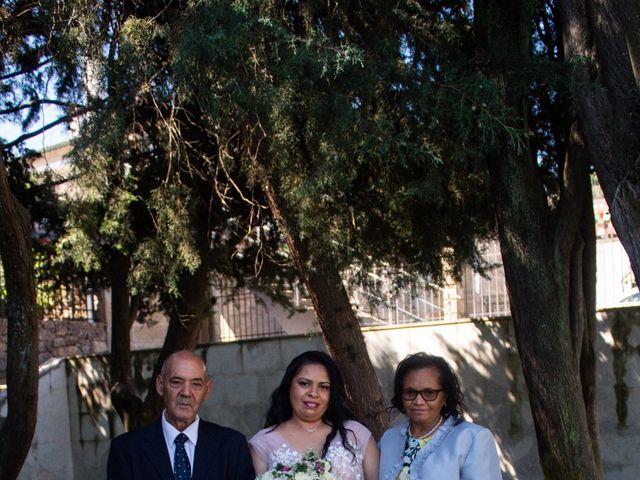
[170, 434]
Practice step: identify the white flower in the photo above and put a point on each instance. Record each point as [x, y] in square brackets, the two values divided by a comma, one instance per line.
[309, 467]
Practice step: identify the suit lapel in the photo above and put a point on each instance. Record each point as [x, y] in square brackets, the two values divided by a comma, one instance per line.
[206, 450]
[155, 448]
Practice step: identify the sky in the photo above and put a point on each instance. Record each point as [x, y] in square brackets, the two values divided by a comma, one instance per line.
[10, 131]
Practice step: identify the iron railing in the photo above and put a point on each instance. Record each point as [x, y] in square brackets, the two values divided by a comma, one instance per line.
[67, 302]
[485, 295]
[240, 314]
[380, 302]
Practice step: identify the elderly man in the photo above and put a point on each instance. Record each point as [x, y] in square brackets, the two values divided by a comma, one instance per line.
[180, 445]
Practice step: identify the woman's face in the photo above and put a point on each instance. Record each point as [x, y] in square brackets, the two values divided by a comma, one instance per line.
[423, 413]
[310, 393]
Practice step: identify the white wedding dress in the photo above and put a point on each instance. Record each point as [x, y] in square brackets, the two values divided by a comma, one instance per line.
[273, 449]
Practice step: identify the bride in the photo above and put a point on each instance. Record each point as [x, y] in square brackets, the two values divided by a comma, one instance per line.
[309, 412]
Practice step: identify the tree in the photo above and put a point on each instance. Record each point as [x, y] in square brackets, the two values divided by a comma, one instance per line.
[49, 51]
[17, 429]
[326, 144]
[136, 138]
[28, 54]
[547, 241]
[326, 114]
[158, 214]
[339, 324]
[602, 42]
[350, 124]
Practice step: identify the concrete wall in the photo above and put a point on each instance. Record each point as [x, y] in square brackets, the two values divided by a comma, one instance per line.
[60, 338]
[246, 372]
[50, 456]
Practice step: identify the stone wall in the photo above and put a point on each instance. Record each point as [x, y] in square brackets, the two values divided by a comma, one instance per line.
[60, 338]
[246, 372]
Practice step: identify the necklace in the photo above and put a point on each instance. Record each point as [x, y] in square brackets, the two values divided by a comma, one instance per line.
[430, 432]
[308, 429]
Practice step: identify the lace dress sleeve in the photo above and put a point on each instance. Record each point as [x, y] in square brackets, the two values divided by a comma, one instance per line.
[260, 445]
[345, 464]
[272, 449]
[361, 434]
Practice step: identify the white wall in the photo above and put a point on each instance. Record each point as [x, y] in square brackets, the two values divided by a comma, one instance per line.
[50, 456]
[246, 372]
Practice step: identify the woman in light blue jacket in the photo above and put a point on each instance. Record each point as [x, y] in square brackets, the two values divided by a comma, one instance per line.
[435, 443]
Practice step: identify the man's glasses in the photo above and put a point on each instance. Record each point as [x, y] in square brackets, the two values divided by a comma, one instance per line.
[428, 394]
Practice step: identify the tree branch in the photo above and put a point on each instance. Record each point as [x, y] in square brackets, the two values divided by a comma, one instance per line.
[38, 102]
[35, 133]
[24, 71]
[575, 184]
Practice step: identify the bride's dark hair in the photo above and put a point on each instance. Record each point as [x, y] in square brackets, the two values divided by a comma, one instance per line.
[338, 411]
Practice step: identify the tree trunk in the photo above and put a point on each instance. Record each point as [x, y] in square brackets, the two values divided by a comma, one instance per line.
[548, 259]
[551, 289]
[186, 313]
[123, 312]
[338, 322]
[19, 426]
[185, 318]
[603, 40]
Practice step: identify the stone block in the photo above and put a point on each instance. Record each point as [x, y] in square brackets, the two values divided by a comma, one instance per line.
[241, 388]
[43, 357]
[218, 395]
[88, 431]
[46, 335]
[224, 359]
[625, 452]
[250, 420]
[632, 374]
[92, 460]
[290, 349]
[634, 337]
[61, 329]
[633, 409]
[607, 417]
[260, 356]
[267, 384]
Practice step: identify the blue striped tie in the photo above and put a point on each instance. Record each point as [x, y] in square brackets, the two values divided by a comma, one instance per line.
[181, 465]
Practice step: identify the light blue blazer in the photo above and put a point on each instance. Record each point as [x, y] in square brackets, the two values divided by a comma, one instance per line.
[465, 451]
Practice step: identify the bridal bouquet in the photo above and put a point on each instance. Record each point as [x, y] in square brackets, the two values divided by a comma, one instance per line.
[309, 467]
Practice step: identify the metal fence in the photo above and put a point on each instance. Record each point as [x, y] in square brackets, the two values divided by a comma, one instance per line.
[381, 302]
[485, 296]
[476, 296]
[239, 313]
[616, 283]
[67, 302]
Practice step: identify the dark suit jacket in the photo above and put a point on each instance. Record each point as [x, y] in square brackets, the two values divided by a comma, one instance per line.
[221, 454]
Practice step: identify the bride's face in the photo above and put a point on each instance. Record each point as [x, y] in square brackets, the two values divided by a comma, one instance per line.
[310, 393]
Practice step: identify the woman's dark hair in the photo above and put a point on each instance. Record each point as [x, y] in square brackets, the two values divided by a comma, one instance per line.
[338, 411]
[453, 407]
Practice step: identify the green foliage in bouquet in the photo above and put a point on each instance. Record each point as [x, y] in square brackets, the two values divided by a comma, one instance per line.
[309, 467]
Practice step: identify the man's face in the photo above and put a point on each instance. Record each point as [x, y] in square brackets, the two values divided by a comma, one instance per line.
[183, 386]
